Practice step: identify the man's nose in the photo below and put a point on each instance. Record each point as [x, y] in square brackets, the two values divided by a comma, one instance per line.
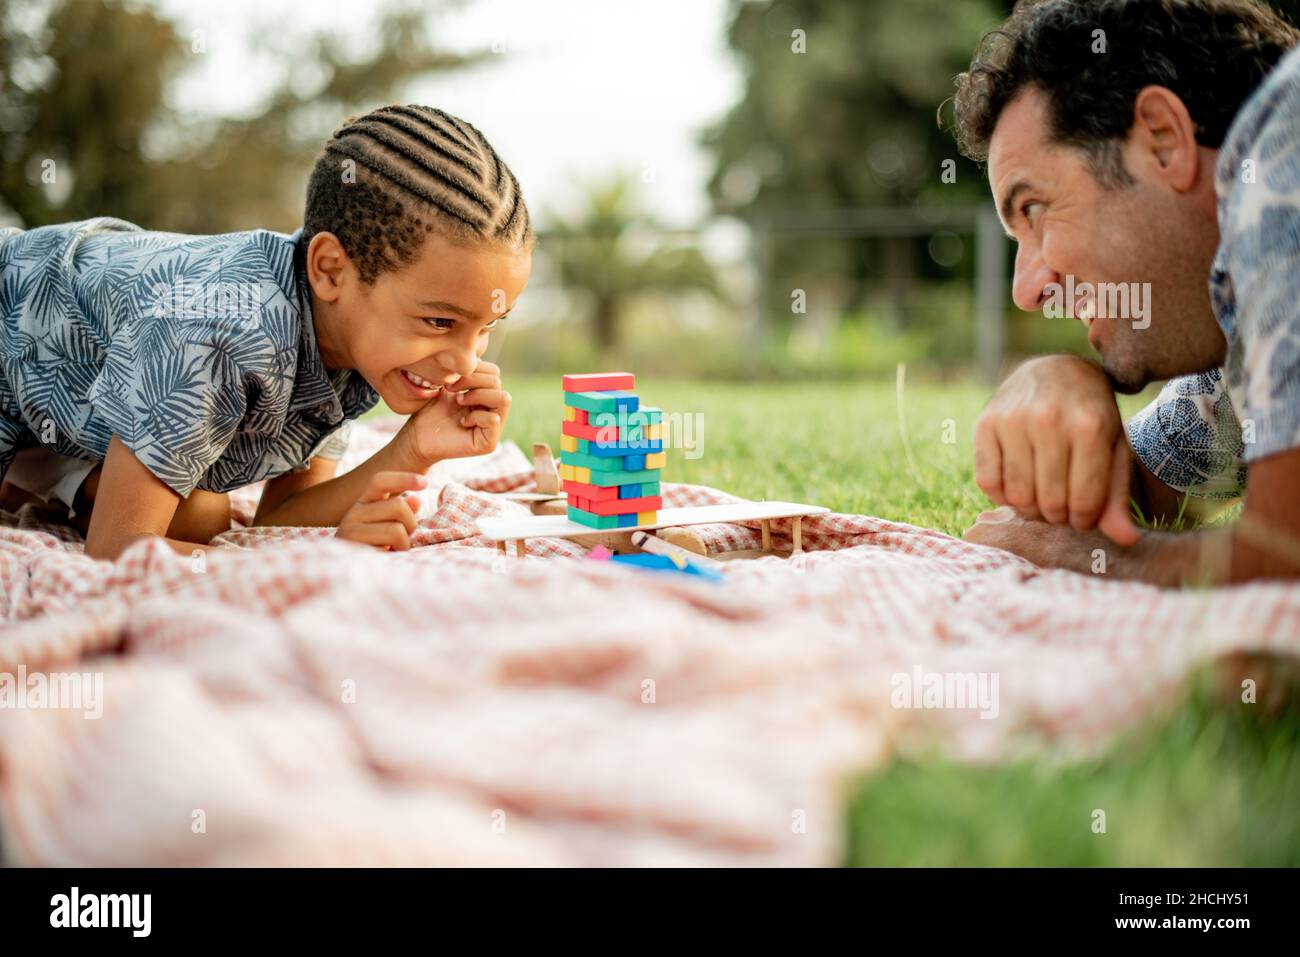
[1032, 277]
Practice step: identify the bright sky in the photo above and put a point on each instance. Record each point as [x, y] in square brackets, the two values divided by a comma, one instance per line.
[580, 88]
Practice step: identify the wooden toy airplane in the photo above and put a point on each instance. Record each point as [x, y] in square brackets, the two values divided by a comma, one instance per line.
[518, 530]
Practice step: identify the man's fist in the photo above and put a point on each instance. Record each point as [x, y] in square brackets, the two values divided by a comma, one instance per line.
[1050, 443]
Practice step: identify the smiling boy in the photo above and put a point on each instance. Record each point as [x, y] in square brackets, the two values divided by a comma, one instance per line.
[1131, 141]
[143, 406]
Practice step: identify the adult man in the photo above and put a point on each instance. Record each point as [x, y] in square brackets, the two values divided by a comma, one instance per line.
[1153, 146]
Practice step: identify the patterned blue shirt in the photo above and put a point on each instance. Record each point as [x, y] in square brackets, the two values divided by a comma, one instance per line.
[198, 352]
[1202, 430]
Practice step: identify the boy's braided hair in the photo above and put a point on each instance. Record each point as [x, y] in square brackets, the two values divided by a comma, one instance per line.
[389, 178]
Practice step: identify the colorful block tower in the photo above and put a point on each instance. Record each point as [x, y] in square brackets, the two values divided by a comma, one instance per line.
[611, 452]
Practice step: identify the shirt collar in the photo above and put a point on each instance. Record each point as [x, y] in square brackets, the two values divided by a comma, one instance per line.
[325, 395]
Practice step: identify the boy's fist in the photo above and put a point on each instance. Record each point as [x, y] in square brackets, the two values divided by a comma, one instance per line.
[463, 419]
[383, 516]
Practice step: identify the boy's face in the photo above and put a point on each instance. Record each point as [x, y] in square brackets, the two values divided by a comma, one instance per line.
[418, 328]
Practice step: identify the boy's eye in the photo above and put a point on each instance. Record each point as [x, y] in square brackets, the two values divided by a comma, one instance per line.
[437, 323]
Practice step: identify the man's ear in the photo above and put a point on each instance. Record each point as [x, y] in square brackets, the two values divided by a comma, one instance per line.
[1163, 137]
[328, 267]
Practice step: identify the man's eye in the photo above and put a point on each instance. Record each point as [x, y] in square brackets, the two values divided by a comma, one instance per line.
[437, 323]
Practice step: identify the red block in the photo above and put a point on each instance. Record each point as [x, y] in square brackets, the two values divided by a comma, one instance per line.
[621, 506]
[580, 416]
[592, 493]
[599, 381]
[595, 433]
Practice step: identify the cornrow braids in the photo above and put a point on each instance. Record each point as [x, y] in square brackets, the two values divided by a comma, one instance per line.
[387, 179]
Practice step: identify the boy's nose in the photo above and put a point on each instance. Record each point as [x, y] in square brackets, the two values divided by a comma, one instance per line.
[1032, 277]
[457, 363]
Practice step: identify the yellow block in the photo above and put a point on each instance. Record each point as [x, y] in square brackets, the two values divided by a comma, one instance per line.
[647, 518]
[581, 474]
[656, 460]
[654, 431]
[569, 443]
[566, 473]
[570, 414]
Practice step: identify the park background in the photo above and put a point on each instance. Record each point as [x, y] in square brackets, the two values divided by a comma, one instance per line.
[742, 201]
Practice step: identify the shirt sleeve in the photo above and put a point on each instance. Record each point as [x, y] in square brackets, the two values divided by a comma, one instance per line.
[1190, 439]
[1260, 227]
[333, 445]
[175, 400]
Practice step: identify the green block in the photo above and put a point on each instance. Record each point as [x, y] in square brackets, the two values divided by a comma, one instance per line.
[597, 463]
[592, 521]
[624, 478]
[602, 401]
[646, 415]
[584, 445]
[649, 488]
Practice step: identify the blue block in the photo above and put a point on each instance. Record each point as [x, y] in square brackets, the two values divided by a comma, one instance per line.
[617, 447]
[633, 463]
[629, 491]
[662, 563]
[627, 520]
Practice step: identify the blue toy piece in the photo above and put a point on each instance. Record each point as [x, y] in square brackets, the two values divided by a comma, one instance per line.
[629, 491]
[663, 563]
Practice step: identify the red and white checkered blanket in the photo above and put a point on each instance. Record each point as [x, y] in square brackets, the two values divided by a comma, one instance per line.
[300, 700]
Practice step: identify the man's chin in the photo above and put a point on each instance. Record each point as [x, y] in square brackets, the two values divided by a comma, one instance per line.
[1125, 378]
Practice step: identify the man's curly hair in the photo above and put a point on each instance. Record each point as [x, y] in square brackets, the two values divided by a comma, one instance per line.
[389, 178]
[1211, 53]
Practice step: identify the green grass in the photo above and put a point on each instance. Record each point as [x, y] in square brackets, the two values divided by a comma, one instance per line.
[1213, 783]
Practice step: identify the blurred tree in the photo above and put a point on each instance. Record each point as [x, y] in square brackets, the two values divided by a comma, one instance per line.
[838, 112]
[612, 252]
[86, 128]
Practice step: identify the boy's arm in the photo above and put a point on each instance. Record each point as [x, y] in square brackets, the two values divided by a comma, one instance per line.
[130, 503]
[315, 498]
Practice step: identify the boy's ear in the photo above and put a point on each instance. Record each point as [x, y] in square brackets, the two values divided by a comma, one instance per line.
[328, 267]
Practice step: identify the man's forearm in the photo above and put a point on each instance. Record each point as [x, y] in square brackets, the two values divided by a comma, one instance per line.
[1169, 559]
[326, 504]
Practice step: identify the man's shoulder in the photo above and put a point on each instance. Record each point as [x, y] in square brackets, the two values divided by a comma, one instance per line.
[1264, 138]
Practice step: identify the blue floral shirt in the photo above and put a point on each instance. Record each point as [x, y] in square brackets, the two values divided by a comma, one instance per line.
[198, 352]
[1202, 430]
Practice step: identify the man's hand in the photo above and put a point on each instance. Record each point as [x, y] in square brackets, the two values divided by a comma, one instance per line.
[1051, 444]
[383, 516]
[464, 420]
[1051, 546]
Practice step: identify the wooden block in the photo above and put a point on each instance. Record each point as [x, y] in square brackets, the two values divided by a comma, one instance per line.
[647, 518]
[569, 413]
[566, 472]
[597, 493]
[621, 447]
[568, 443]
[630, 491]
[622, 506]
[595, 477]
[580, 416]
[582, 475]
[656, 460]
[650, 488]
[592, 521]
[545, 474]
[613, 401]
[634, 463]
[655, 431]
[598, 381]
[627, 521]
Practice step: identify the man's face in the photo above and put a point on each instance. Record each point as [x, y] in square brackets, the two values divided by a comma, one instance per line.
[430, 320]
[1067, 223]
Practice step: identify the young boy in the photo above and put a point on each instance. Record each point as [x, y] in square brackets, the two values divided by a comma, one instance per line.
[144, 375]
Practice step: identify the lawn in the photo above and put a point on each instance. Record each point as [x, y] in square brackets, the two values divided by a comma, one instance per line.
[1211, 784]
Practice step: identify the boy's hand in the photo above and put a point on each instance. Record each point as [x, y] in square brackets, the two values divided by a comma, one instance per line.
[383, 516]
[465, 419]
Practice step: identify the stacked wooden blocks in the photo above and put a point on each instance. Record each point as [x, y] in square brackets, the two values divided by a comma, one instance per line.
[611, 452]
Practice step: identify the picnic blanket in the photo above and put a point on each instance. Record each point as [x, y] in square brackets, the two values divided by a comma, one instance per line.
[296, 699]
